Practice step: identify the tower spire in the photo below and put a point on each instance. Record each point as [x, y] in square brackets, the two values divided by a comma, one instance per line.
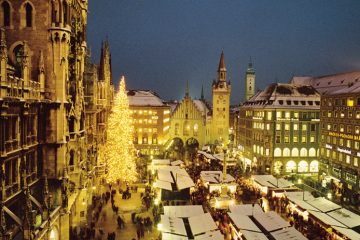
[202, 92]
[187, 89]
[222, 68]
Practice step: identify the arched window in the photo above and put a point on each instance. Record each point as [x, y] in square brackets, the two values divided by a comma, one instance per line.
[29, 14]
[303, 166]
[196, 129]
[176, 129]
[312, 152]
[295, 152]
[136, 138]
[277, 152]
[65, 12]
[6, 13]
[154, 138]
[145, 138]
[303, 152]
[286, 152]
[314, 166]
[290, 167]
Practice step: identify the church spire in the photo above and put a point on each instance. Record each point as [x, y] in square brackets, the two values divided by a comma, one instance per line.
[222, 68]
[202, 93]
[187, 89]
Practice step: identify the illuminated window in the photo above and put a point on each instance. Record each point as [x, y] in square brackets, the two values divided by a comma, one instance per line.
[303, 139]
[303, 166]
[268, 126]
[347, 159]
[314, 166]
[196, 128]
[278, 139]
[329, 114]
[312, 139]
[186, 129]
[267, 152]
[295, 139]
[287, 115]
[154, 139]
[303, 152]
[286, 152]
[350, 102]
[341, 142]
[341, 157]
[294, 152]
[287, 126]
[290, 167]
[333, 155]
[349, 129]
[304, 127]
[278, 126]
[277, 152]
[356, 161]
[296, 126]
[356, 145]
[140, 121]
[278, 115]
[140, 112]
[350, 114]
[286, 139]
[341, 128]
[348, 143]
[327, 153]
[296, 115]
[145, 138]
[357, 115]
[150, 112]
[269, 115]
[312, 152]
[357, 130]
[342, 114]
[329, 127]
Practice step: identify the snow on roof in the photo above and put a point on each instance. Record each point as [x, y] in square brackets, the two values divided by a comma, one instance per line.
[323, 217]
[144, 98]
[243, 222]
[323, 204]
[201, 224]
[254, 235]
[213, 235]
[288, 234]
[349, 233]
[246, 209]
[169, 236]
[161, 161]
[176, 163]
[284, 95]
[271, 181]
[165, 175]
[216, 176]
[182, 178]
[201, 106]
[271, 221]
[172, 225]
[330, 83]
[346, 217]
[163, 185]
[207, 155]
[183, 211]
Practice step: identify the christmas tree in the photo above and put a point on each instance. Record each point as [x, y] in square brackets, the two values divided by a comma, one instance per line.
[118, 152]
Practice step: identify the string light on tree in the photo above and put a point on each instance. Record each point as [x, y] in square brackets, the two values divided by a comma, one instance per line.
[118, 152]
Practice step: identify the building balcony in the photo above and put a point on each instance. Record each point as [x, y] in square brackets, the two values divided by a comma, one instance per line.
[14, 87]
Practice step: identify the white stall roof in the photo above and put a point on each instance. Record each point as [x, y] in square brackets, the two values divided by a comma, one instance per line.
[297, 198]
[323, 217]
[161, 161]
[349, 233]
[169, 236]
[243, 222]
[183, 211]
[165, 175]
[213, 235]
[271, 221]
[271, 181]
[207, 155]
[183, 180]
[201, 224]
[177, 162]
[288, 234]
[172, 225]
[323, 204]
[346, 217]
[216, 176]
[163, 185]
[246, 209]
[254, 235]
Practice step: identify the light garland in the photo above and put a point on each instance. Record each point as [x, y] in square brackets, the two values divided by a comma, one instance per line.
[118, 152]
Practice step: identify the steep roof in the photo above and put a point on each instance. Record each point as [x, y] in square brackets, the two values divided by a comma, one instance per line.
[144, 98]
[222, 63]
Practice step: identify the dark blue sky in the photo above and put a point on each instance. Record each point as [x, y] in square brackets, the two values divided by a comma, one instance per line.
[159, 44]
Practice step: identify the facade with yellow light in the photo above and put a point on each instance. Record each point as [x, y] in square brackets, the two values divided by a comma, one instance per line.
[279, 130]
[150, 117]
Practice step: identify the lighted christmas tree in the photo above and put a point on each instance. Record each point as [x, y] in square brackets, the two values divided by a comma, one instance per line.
[118, 152]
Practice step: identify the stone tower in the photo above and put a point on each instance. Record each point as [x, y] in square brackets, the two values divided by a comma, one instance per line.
[250, 81]
[219, 132]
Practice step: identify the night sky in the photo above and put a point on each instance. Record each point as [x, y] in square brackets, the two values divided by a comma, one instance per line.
[159, 44]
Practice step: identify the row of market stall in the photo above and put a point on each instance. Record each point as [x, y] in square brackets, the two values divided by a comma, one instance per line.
[339, 221]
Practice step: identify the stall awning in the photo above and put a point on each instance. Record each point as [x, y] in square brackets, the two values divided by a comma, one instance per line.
[172, 225]
[288, 234]
[165, 175]
[254, 235]
[213, 235]
[183, 180]
[326, 219]
[243, 222]
[323, 204]
[349, 233]
[201, 224]
[183, 211]
[271, 181]
[176, 163]
[346, 217]
[163, 185]
[246, 209]
[271, 221]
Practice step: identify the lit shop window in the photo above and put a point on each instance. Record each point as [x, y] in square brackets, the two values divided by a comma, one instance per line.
[277, 152]
[303, 152]
[312, 152]
[303, 166]
[350, 102]
[286, 152]
[314, 166]
[295, 152]
[290, 166]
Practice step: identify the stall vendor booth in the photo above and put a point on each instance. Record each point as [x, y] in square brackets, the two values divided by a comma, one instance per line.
[268, 183]
[214, 180]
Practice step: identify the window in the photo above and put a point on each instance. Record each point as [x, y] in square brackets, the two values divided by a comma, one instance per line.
[341, 157]
[286, 152]
[296, 115]
[154, 139]
[296, 127]
[303, 166]
[350, 114]
[334, 140]
[356, 161]
[269, 115]
[65, 12]
[6, 13]
[335, 127]
[303, 139]
[176, 129]
[329, 127]
[358, 113]
[348, 143]
[145, 138]
[295, 139]
[303, 152]
[294, 152]
[348, 159]
[356, 145]
[278, 126]
[350, 102]
[312, 152]
[312, 127]
[286, 139]
[287, 115]
[329, 114]
[290, 167]
[268, 126]
[341, 128]
[287, 126]
[357, 130]
[312, 139]
[333, 155]
[196, 128]
[342, 114]
[278, 115]
[349, 129]
[278, 139]
[29, 14]
[304, 127]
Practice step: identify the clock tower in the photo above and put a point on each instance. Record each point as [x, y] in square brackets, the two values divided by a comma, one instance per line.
[250, 81]
[221, 103]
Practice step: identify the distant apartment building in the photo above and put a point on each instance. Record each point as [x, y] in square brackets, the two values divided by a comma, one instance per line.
[151, 120]
[278, 130]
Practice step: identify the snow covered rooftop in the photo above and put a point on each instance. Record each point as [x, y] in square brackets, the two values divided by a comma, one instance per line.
[331, 83]
[346, 217]
[183, 211]
[144, 98]
[285, 95]
[246, 209]
[288, 234]
[215, 177]
[201, 224]
[271, 181]
[167, 178]
[271, 221]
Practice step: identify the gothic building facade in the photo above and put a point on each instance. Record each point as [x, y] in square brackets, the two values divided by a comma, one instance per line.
[44, 172]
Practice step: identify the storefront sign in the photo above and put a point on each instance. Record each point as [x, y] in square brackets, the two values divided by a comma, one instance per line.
[344, 150]
[344, 135]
